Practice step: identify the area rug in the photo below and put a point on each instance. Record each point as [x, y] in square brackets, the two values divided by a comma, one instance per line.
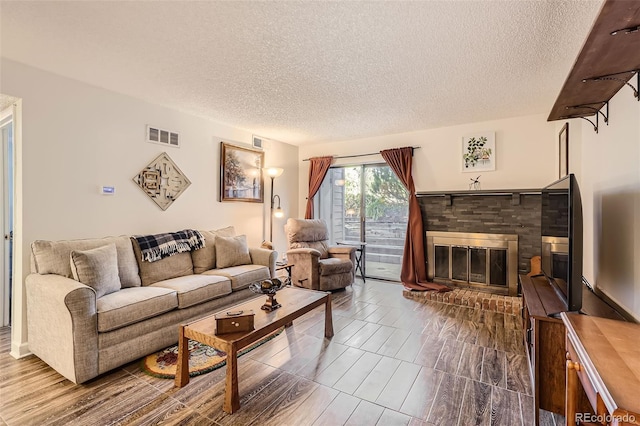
[202, 358]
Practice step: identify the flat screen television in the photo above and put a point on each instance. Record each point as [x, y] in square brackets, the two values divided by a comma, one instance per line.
[561, 228]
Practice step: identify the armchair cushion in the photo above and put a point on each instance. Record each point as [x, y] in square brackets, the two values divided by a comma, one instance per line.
[334, 265]
[97, 268]
[232, 251]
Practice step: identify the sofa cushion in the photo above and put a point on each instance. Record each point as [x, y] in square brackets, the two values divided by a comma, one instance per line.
[334, 265]
[52, 257]
[97, 268]
[194, 289]
[232, 251]
[243, 275]
[131, 305]
[205, 257]
[174, 266]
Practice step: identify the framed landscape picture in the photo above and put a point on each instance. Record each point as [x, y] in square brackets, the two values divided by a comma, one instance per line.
[563, 147]
[479, 152]
[241, 174]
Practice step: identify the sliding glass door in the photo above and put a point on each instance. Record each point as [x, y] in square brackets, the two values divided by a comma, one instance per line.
[367, 204]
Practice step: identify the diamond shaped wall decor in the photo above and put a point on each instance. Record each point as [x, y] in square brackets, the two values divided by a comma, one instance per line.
[162, 181]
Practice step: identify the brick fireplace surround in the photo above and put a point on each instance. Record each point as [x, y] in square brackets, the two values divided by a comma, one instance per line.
[492, 212]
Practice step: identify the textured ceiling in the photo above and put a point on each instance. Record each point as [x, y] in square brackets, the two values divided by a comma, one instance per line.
[304, 72]
[6, 101]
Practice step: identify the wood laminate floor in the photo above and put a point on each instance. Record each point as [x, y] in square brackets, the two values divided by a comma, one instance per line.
[392, 361]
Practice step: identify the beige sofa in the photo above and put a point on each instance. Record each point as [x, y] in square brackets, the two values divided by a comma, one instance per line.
[81, 333]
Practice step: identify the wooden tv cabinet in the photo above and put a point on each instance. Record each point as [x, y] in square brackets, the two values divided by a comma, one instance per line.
[544, 339]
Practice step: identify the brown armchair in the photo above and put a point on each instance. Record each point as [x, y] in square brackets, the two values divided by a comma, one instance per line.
[317, 265]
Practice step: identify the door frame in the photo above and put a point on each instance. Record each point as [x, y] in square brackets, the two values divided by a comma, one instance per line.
[363, 213]
[7, 164]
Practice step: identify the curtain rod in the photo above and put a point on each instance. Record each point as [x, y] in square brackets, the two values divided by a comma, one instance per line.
[358, 155]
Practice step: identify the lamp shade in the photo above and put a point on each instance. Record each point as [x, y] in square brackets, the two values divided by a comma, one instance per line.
[273, 172]
[279, 213]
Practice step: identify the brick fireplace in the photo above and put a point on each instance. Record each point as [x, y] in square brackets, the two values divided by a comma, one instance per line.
[512, 215]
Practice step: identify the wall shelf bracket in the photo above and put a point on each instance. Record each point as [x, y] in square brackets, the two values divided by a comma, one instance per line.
[594, 109]
[595, 125]
[616, 77]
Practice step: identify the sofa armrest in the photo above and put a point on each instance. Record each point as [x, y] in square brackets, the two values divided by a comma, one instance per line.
[62, 325]
[304, 251]
[305, 271]
[345, 252]
[265, 257]
[341, 250]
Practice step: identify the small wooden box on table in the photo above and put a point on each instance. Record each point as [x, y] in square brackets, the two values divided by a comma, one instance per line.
[295, 303]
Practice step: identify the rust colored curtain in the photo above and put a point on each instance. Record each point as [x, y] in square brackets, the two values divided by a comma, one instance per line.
[414, 268]
[317, 171]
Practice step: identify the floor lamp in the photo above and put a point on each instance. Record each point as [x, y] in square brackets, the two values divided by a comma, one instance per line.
[274, 172]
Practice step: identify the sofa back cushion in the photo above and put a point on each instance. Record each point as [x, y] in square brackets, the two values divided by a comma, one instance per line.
[97, 268]
[52, 257]
[232, 251]
[174, 266]
[308, 233]
[204, 259]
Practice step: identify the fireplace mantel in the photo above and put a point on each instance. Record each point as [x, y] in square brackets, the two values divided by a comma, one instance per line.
[465, 193]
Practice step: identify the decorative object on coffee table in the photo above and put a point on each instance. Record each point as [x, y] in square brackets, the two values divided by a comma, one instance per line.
[162, 181]
[269, 287]
[234, 321]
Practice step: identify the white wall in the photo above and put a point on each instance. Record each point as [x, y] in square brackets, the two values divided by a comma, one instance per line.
[526, 155]
[77, 137]
[609, 180]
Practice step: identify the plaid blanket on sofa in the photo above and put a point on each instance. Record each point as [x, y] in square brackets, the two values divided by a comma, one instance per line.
[159, 246]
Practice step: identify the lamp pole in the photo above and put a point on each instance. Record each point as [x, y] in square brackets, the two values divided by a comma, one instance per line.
[273, 172]
[273, 200]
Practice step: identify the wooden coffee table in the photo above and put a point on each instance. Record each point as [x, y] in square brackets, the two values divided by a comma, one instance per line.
[295, 303]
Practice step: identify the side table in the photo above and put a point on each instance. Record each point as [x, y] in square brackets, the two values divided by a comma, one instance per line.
[286, 266]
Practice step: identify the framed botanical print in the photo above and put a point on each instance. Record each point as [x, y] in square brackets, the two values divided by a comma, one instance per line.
[563, 147]
[241, 174]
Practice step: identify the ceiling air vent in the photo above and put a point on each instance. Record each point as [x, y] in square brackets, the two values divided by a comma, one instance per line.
[162, 136]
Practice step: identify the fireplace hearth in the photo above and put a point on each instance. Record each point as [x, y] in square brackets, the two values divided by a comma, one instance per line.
[487, 262]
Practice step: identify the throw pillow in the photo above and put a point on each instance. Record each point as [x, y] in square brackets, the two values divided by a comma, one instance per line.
[97, 268]
[232, 251]
[204, 259]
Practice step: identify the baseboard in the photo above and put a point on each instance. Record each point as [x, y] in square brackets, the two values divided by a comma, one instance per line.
[622, 311]
[20, 350]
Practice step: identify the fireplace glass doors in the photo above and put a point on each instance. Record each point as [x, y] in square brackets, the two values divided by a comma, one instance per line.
[474, 260]
[477, 265]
